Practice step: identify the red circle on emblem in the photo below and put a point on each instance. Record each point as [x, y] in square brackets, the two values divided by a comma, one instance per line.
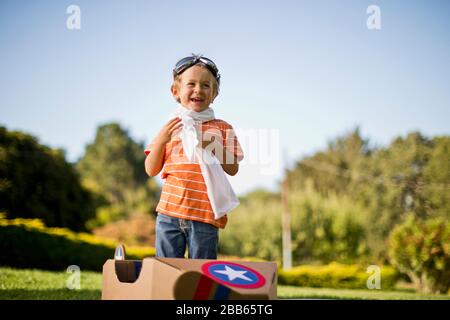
[261, 281]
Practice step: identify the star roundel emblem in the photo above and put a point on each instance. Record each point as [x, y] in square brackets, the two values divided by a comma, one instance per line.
[233, 274]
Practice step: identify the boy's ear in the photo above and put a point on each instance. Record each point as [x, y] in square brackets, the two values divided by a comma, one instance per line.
[214, 97]
[174, 91]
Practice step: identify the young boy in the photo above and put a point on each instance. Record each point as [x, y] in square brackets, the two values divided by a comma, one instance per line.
[194, 198]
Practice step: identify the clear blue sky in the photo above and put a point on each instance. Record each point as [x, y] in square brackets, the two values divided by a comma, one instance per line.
[310, 70]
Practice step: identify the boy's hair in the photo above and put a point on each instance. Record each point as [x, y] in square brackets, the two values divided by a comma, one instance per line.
[215, 84]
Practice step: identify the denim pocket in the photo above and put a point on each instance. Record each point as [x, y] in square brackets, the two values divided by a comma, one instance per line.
[165, 218]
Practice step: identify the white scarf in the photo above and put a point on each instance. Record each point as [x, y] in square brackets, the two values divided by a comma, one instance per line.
[220, 193]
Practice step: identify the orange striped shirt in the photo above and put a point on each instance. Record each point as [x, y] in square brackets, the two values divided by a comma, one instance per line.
[184, 193]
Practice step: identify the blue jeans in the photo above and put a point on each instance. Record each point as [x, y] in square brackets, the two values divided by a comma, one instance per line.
[174, 234]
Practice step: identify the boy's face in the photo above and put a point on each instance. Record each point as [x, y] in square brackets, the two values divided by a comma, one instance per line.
[195, 89]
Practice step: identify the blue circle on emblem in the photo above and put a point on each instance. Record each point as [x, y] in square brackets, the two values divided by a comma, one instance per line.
[233, 274]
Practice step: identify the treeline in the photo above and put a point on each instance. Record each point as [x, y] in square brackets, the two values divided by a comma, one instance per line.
[107, 183]
[345, 201]
[409, 176]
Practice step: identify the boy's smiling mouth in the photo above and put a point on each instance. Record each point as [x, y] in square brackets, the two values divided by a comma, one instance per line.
[197, 100]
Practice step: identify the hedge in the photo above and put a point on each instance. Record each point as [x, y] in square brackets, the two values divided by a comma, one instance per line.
[335, 275]
[28, 243]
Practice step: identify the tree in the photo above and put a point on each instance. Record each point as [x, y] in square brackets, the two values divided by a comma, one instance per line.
[326, 228]
[394, 187]
[420, 249]
[436, 179]
[332, 170]
[37, 182]
[411, 174]
[113, 168]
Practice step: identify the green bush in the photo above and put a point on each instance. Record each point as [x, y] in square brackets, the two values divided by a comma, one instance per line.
[335, 275]
[253, 229]
[326, 228]
[421, 250]
[27, 243]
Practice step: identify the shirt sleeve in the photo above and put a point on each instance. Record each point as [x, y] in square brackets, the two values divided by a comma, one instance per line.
[232, 145]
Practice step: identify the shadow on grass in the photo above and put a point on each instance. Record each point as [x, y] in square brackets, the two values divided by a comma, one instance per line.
[56, 294]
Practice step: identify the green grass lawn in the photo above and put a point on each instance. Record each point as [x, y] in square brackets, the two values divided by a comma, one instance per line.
[42, 285]
[288, 292]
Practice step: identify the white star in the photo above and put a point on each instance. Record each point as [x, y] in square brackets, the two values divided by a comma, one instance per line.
[233, 274]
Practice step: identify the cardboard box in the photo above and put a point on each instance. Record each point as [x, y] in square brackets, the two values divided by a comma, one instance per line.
[188, 279]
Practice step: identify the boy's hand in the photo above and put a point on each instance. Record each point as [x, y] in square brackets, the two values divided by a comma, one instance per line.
[167, 130]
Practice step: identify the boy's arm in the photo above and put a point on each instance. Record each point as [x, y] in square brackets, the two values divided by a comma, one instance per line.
[228, 161]
[154, 160]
